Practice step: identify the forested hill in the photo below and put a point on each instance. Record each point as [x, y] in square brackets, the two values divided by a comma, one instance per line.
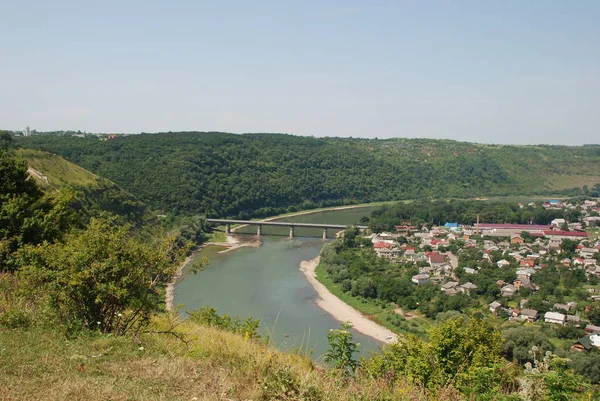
[92, 195]
[248, 175]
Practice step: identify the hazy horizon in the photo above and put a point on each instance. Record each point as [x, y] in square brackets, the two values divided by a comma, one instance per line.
[502, 73]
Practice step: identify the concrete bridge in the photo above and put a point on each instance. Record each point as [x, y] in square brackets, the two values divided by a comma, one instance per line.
[292, 226]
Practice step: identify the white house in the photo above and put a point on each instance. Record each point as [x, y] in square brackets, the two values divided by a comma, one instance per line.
[554, 317]
[420, 278]
[503, 263]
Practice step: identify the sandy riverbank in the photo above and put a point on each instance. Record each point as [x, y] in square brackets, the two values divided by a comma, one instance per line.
[342, 311]
[234, 243]
[170, 292]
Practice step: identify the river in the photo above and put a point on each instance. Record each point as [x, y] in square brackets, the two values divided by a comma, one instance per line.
[266, 283]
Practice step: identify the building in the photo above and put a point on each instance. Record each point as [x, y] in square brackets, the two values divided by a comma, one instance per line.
[494, 306]
[508, 290]
[586, 343]
[467, 288]
[531, 315]
[560, 235]
[516, 239]
[554, 317]
[436, 259]
[420, 279]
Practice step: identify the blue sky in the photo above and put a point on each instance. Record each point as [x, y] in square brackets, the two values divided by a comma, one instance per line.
[523, 72]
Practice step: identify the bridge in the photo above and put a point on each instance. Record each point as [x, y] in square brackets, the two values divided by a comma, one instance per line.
[292, 226]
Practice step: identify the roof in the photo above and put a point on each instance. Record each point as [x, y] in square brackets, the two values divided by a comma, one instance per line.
[469, 286]
[566, 233]
[522, 227]
[436, 258]
[495, 304]
[420, 276]
[529, 312]
[555, 316]
[451, 225]
[586, 342]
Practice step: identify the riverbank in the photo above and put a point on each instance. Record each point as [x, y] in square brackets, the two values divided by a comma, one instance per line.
[342, 311]
[170, 291]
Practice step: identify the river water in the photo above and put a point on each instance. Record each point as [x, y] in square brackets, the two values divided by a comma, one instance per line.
[266, 283]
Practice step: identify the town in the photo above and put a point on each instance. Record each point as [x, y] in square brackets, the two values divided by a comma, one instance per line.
[470, 259]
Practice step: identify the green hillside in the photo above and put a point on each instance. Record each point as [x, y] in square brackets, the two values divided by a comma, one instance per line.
[248, 175]
[93, 194]
[58, 171]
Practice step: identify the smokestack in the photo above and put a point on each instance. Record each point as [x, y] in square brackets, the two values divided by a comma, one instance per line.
[477, 229]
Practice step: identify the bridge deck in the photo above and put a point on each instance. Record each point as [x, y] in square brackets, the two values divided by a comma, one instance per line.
[280, 223]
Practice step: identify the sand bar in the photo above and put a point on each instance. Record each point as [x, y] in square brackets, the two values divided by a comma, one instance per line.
[342, 311]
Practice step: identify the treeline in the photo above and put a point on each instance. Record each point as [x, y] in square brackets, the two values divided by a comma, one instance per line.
[257, 175]
[440, 212]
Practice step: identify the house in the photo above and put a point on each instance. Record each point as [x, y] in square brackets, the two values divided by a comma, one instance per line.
[586, 343]
[387, 253]
[557, 234]
[590, 328]
[531, 315]
[449, 286]
[525, 273]
[508, 290]
[554, 317]
[524, 283]
[494, 306]
[467, 288]
[503, 263]
[587, 253]
[469, 270]
[436, 259]
[516, 239]
[420, 279]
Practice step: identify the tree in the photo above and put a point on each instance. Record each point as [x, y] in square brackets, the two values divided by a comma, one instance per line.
[569, 245]
[594, 315]
[26, 215]
[5, 140]
[341, 350]
[519, 340]
[100, 278]
[465, 355]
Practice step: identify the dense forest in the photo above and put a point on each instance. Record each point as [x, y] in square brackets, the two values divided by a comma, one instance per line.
[255, 175]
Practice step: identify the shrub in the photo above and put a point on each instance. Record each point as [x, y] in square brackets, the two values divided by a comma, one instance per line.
[100, 278]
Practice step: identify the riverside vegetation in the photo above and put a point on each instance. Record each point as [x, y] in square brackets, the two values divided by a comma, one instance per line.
[81, 317]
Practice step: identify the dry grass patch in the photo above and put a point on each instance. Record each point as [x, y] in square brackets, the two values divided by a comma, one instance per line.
[41, 363]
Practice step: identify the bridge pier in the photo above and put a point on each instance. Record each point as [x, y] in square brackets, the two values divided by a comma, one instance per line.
[259, 230]
[324, 233]
[227, 228]
[291, 231]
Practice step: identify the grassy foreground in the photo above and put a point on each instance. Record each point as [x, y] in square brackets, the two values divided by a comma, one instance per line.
[42, 363]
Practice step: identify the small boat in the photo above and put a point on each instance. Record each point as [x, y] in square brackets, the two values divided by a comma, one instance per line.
[286, 335]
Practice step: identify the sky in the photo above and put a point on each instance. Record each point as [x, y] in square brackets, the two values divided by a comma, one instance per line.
[514, 72]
